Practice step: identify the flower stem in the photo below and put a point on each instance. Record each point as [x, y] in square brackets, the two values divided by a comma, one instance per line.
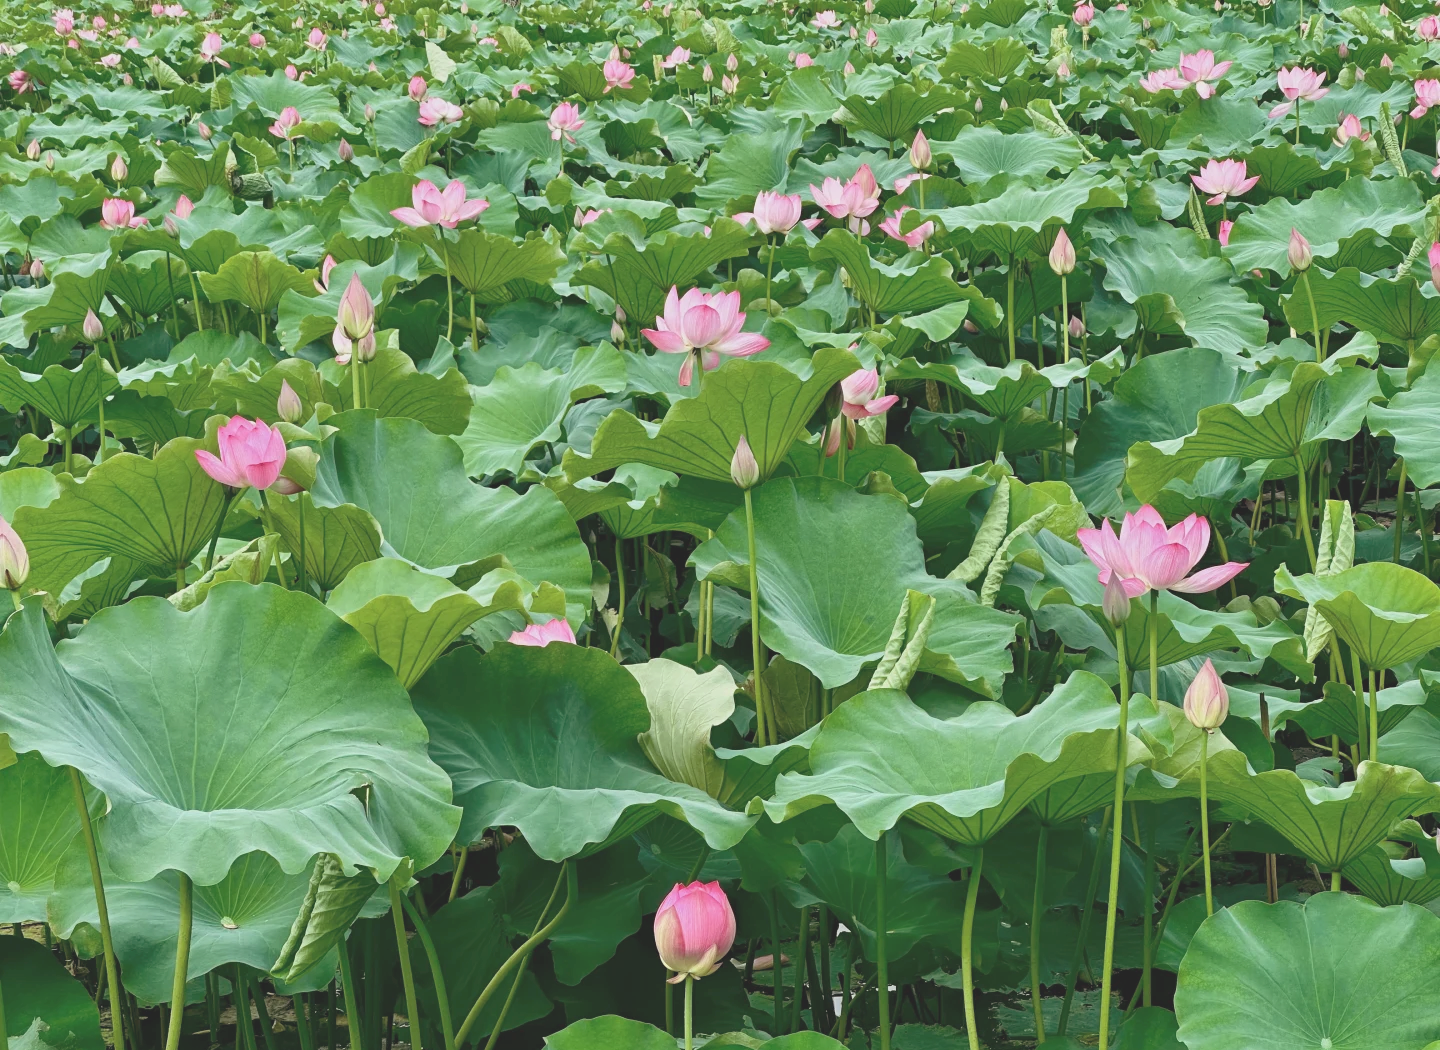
[97, 880]
[1010, 305]
[407, 974]
[525, 964]
[689, 1011]
[1037, 909]
[442, 995]
[766, 724]
[1314, 315]
[352, 1009]
[230, 495]
[1114, 895]
[304, 581]
[882, 962]
[182, 963]
[1361, 737]
[1399, 510]
[1302, 522]
[1374, 715]
[967, 938]
[769, 266]
[449, 294]
[1205, 819]
[355, 377]
[1154, 627]
[620, 580]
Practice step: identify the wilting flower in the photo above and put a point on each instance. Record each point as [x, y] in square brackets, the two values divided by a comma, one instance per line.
[1062, 254]
[286, 123]
[618, 75]
[316, 40]
[1427, 94]
[1297, 83]
[914, 238]
[678, 57]
[857, 401]
[776, 212]
[744, 470]
[694, 929]
[705, 324]
[119, 214]
[1200, 69]
[436, 111]
[1223, 179]
[1084, 14]
[826, 20]
[1298, 253]
[436, 207]
[251, 453]
[1349, 128]
[1207, 704]
[1146, 555]
[542, 634]
[852, 200]
[564, 119]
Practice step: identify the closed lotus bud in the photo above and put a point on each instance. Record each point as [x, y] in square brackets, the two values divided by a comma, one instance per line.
[1116, 603]
[365, 348]
[694, 929]
[288, 403]
[49, 161]
[347, 151]
[979, 105]
[1298, 254]
[730, 83]
[14, 560]
[731, 62]
[204, 130]
[369, 114]
[356, 315]
[33, 150]
[617, 333]
[1062, 254]
[1004, 105]
[37, 270]
[1077, 327]
[1206, 702]
[119, 169]
[920, 155]
[707, 74]
[744, 471]
[92, 326]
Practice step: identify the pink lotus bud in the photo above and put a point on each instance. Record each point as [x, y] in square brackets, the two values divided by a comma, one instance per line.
[1084, 14]
[369, 114]
[347, 151]
[1226, 225]
[98, 22]
[1342, 49]
[92, 327]
[49, 161]
[37, 270]
[204, 130]
[251, 454]
[730, 83]
[417, 88]
[119, 169]
[1207, 704]
[744, 471]
[1077, 328]
[707, 74]
[257, 40]
[288, 403]
[33, 150]
[694, 929]
[356, 316]
[542, 634]
[1116, 603]
[379, 10]
[14, 560]
[920, 155]
[291, 73]
[1435, 265]
[1298, 254]
[871, 38]
[617, 333]
[1062, 71]
[731, 62]
[979, 105]
[1386, 62]
[1062, 254]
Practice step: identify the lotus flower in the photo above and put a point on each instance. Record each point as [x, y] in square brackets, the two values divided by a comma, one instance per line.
[920, 155]
[437, 111]
[354, 323]
[288, 404]
[1427, 95]
[705, 325]
[1084, 14]
[1429, 28]
[678, 57]
[64, 21]
[14, 559]
[1298, 253]
[1207, 704]
[1200, 69]
[871, 38]
[826, 20]
[1223, 234]
[257, 40]
[618, 75]
[417, 88]
[119, 214]
[20, 81]
[286, 123]
[210, 49]
[542, 634]
[322, 283]
[1146, 555]
[564, 119]
[802, 60]
[913, 238]
[1062, 254]
[316, 40]
[436, 207]
[251, 453]
[112, 60]
[694, 929]
[852, 200]
[1297, 83]
[857, 401]
[1349, 128]
[1434, 257]
[1223, 179]
[776, 212]
[744, 470]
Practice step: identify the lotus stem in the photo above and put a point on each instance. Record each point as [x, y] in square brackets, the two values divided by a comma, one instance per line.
[1148, 965]
[195, 299]
[882, 963]
[689, 1011]
[823, 921]
[767, 731]
[1302, 522]
[1375, 715]
[777, 964]
[1361, 737]
[442, 997]
[1037, 909]
[182, 963]
[803, 958]
[1154, 629]
[97, 880]
[5, 1038]
[967, 937]
[1010, 305]
[459, 873]
[1087, 912]
[1205, 821]
[1314, 316]
[1399, 509]
[1114, 896]
[407, 974]
[304, 577]
[449, 293]
[769, 266]
[352, 1009]
[355, 379]
[620, 581]
[230, 495]
[525, 964]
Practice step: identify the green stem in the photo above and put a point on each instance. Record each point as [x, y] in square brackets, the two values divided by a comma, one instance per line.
[800, 961]
[1205, 820]
[757, 651]
[97, 880]
[355, 377]
[182, 963]
[474, 327]
[967, 939]
[1399, 510]
[1037, 909]
[449, 295]
[825, 997]
[1314, 316]
[525, 965]
[301, 1004]
[1302, 523]
[1374, 715]
[882, 963]
[1335, 882]
[459, 872]
[1010, 305]
[1114, 896]
[304, 577]
[1361, 737]
[1086, 914]
[689, 1011]
[1154, 627]
[407, 974]
[195, 299]
[620, 615]
[777, 965]
[352, 1009]
[230, 495]
[769, 265]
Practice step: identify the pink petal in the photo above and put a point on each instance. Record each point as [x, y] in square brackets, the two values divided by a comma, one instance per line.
[410, 217]
[665, 342]
[1209, 579]
[1166, 565]
[743, 345]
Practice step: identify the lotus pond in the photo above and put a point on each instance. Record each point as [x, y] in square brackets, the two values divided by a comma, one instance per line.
[900, 525]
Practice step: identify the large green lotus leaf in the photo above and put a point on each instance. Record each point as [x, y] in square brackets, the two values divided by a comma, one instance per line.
[214, 236]
[1410, 418]
[1336, 714]
[1228, 126]
[1003, 392]
[762, 401]
[1288, 418]
[984, 151]
[158, 513]
[148, 282]
[399, 390]
[307, 714]
[1400, 311]
[484, 263]
[64, 395]
[337, 539]
[431, 514]
[1326, 218]
[684, 706]
[1387, 613]
[26, 487]
[73, 292]
[524, 407]
[881, 758]
[891, 288]
[1388, 877]
[1010, 223]
[898, 111]
[37, 823]
[1177, 290]
[252, 388]
[545, 739]
[639, 278]
[44, 1006]
[257, 280]
[308, 318]
[610, 1033]
[824, 606]
[1334, 973]
[747, 163]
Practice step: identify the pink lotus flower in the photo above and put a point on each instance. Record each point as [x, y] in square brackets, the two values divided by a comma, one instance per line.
[322, 283]
[515, 89]
[1429, 28]
[251, 454]
[354, 323]
[437, 111]
[826, 20]
[564, 119]
[914, 238]
[14, 559]
[257, 40]
[871, 39]
[1296, 83]
[292, 73]
[1084, 14]
[210, 49]
[618, 75]
[98, 22]
[1349, 128]
[775, 212]
[1223, 179]
[111, 60]
[852, 200]
[417, 88]
[64, 21]
[1207, 703]
[1158, 80]
[678, 57]
[904, 182]
[316, 40]
[802, 60]
[1427, 95]
[703, 325]
[585, 218]
[694, 929]
[1226, 225]
[1386, 62]
[857, 401]
[20, 81]
[436, 207]
[174, 10]
[119, 214]
[1146, 555]
[286, 123]
[1200, 69]
[542, 634]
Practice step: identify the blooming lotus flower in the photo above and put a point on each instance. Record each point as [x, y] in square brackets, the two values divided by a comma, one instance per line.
[1223, 179]
[64, 21]
[1226, 225]
[251, 453]
[1207, 704]
[1146, 555]
[904, 182]
[618, 75]
[119, 214]
[1084, 14]
[1158, 80]
[852, 200]
[1349, 128]
[826, 20]
[436, 207]
[776, 212]
[515, 89]
[1200, 69]
[174, 10]
[694, 929]
[678, 57]
[1429, 28]
[564, 119]
[542, 634]
[914, 238]
[210, 49]
[857, 401]
[705, 325]
[316, 40]
[286, 123]
[1427, 95]
[1434, 256]
[437, 111]
[110, 61]
[20, 81]
[1296, 83]
[584, 218]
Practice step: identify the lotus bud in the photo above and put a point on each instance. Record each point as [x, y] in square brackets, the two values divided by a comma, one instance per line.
[744, 471]
[347, 151]
[1062, 254]
[356, 315]
[33, 150]
[288, 403]
[1116, 603]
[1206, 702]
[1435, 265]
[731, 62]
[1077, 327]
[694, 929]
[979, 105]
[14, 560]
[37, 270]
[707, 74]
[119, 169]
[1004, 105]
[617, 333]
[365, 348]
[1386, 62]
[49, 161]
[920, 155]
[92, 327]
[369, 114]
[204, 130]
[1298, 254]
[730, 83]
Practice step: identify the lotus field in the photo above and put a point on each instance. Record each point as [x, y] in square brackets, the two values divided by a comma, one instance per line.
[898, 525]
